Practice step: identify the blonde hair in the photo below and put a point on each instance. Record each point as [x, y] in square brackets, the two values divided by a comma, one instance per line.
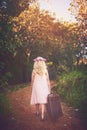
[39, 67]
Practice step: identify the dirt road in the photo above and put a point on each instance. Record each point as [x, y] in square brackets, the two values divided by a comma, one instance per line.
[23, 117]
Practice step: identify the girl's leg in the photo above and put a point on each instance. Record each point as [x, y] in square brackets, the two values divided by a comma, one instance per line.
[42, 111]
[37, 109]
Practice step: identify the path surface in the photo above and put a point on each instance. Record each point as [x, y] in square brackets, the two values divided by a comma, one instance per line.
[23, 117]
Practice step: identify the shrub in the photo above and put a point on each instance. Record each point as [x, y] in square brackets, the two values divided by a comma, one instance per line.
[4, 80]
[4, 104]
[73, 88]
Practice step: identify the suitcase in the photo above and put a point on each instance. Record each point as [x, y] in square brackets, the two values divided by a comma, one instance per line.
[54, 106]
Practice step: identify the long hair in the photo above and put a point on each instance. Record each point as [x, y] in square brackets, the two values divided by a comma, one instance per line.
[40, 67]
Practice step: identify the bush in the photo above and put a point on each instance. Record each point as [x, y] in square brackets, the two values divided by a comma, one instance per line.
[4, 81]
[73, 88]
[4, 104]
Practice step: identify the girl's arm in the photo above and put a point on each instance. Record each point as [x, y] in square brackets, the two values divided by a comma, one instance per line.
[32, 78]
[48, 80]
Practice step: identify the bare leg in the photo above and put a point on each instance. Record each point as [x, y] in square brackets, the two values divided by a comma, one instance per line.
[42, 111]
[37, 109]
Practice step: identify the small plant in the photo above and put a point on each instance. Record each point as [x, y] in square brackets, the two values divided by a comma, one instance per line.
[73, 88]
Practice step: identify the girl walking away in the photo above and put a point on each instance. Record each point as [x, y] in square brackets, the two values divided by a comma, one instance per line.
[40, 86]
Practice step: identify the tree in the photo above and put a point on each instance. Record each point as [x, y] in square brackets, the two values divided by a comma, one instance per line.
[28, 33]
[9, 42]
[15, 7]
[79, 9]
[63, 54]
[34, 28]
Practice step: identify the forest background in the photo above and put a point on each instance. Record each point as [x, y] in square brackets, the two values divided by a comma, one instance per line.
[27, 32]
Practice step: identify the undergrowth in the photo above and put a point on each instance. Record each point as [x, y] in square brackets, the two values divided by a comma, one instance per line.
[72, 87]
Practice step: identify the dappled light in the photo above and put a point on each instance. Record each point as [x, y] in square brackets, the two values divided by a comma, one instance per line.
[23, 114]
[29, 29]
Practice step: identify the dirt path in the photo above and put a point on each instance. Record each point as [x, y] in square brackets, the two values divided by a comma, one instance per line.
[23, 117]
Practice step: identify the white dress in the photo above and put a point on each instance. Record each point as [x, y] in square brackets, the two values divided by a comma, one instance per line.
[40, 89]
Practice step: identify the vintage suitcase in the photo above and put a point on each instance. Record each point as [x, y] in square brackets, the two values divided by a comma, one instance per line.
[54, 106]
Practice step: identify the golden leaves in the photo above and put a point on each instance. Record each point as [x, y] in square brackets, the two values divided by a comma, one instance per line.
[78, 7]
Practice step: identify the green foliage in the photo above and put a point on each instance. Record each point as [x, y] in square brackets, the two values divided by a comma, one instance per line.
[16, 7]
[17, 87]
[4, 80]
[4, 104]
[73, 88]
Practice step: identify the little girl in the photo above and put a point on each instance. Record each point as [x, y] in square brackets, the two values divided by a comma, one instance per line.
[40, 85]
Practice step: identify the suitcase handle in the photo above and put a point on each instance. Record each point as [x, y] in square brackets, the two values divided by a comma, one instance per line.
[53, 92]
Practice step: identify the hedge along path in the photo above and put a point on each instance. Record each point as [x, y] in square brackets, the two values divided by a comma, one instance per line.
[23, 117]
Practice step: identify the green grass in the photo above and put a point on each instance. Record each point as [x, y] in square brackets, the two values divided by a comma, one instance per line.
[11, 88]
[17, 87]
